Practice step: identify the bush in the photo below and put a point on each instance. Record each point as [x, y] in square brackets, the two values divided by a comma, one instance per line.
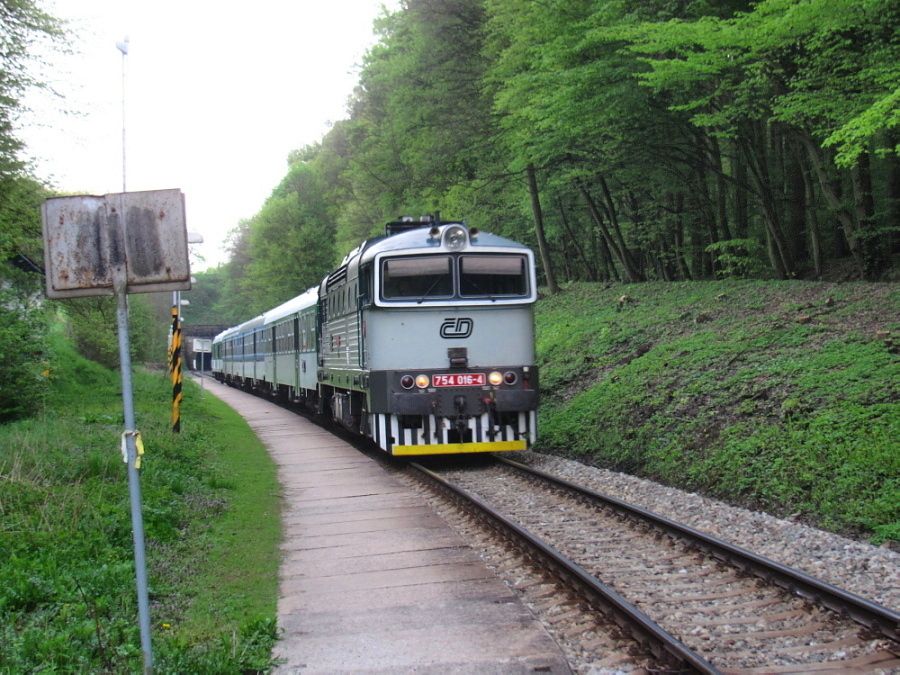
[737, 259]
[23, 350]
[94, 329]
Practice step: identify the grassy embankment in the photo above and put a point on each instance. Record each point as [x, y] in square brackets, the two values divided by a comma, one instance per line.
[210, 505]
[775, 395]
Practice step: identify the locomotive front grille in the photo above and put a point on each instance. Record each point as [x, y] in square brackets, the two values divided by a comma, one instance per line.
[441, 435]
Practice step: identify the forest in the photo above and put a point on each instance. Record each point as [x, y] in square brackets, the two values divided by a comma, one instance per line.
[625, 140]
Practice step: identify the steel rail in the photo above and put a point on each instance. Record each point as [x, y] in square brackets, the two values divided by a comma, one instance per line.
[883, 620]
[663, 645]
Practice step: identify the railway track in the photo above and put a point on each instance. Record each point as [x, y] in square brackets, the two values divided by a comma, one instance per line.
[697, 603]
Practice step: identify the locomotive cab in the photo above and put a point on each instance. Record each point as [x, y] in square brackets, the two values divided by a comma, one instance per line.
[427, 342]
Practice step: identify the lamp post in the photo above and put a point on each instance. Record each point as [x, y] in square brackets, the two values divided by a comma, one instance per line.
[129, 438]
[123, 47]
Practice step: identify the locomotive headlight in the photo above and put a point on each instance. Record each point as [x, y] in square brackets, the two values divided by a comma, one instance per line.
[495, 378]
[422, 381]
[407, 381]
[455, 238]
[510, 377]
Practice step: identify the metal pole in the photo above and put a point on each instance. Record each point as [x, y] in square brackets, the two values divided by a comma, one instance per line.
[123, 47]
[134, 484]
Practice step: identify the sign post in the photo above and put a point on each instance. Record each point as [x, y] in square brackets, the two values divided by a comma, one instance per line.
[130, 242]
[134, 482]
[176, 369]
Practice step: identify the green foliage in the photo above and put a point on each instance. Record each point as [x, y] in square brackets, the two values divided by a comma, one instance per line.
[207, 298]
[290, 240]
[661, 134]
[283, 250]
[93, 327]
[24, 357]
[20, 217]
[720, 387]
[24, 24]
[737, 258]
[856, 134]
[67, 602]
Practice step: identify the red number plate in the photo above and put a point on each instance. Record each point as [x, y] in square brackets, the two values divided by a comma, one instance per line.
[458, 380]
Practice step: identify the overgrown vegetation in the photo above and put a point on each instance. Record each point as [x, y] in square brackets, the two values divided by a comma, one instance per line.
[93, 329]
[23, 350]
[776, 395]
[210, 505]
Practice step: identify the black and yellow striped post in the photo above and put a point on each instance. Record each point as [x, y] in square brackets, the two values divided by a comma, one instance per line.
[176, 370]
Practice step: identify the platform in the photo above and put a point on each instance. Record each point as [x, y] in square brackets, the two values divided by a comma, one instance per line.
[371, 579]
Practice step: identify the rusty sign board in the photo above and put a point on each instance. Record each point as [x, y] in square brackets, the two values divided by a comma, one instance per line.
[88, 244]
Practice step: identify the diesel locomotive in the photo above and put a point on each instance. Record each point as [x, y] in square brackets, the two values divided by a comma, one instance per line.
[422, 340]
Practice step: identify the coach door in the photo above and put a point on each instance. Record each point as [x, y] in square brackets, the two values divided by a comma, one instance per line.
[273, 354]
[296, 344]
[363, 300]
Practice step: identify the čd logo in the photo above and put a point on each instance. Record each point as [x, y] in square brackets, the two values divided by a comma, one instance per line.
[458, 328]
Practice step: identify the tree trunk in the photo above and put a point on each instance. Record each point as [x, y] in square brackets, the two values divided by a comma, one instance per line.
[642, 259]
[683, 267]
[590, 267]
[721, 191]
[812, 220]
[567, 260]
[705, 204]
[607, 241]
[796, 202]
[832, 193]
[757, 162]
[770, 251]
[741, 220]
[539, 229]
[631, 269]
[892, 194]
[699, 261]
[871, 245]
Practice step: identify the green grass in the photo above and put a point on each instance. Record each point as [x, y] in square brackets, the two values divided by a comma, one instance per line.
[211, 516]
[775, 395]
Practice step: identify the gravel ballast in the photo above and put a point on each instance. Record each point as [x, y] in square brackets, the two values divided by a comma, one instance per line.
[869, 571]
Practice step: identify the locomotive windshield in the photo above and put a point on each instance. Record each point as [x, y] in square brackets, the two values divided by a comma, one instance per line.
[421, 278]
[492, 275]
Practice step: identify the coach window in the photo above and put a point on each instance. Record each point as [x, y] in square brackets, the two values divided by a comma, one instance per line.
[492, 275]
[417, 278]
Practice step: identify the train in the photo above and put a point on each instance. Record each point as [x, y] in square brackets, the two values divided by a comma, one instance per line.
[421, 340]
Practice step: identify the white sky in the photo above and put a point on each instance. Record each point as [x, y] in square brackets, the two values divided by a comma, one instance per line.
[217, 94]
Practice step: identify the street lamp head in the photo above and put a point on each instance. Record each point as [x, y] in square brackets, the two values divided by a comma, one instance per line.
[123, 46]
